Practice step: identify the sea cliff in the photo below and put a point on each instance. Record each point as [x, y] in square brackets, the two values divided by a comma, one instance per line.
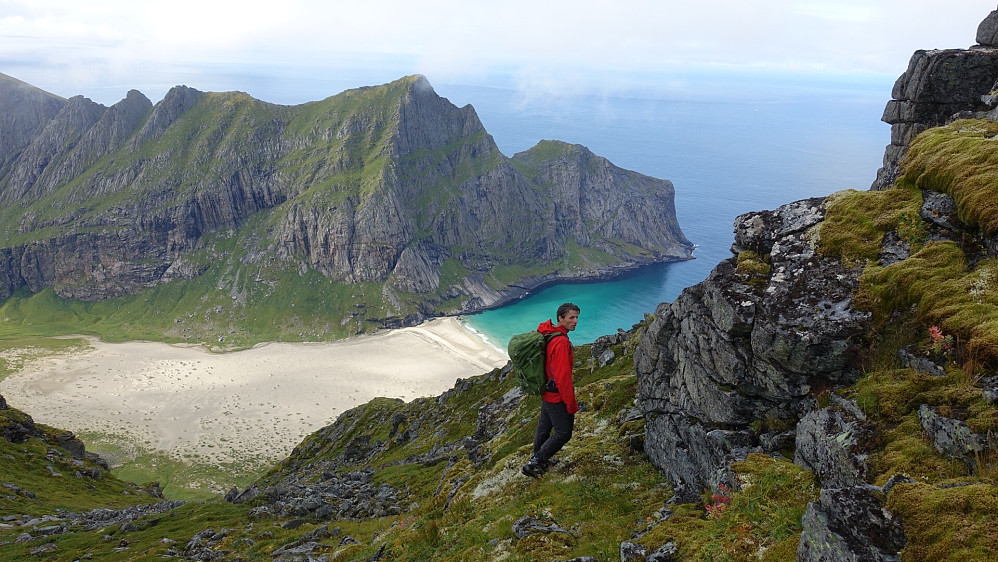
[389, 196]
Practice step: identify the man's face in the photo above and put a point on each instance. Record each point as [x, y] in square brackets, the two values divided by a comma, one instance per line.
[569, 320]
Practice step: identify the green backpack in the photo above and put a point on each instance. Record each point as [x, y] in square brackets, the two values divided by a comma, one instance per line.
[527, 351]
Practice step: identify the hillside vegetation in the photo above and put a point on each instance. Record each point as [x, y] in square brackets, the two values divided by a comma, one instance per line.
[602, 492]
[439, 478]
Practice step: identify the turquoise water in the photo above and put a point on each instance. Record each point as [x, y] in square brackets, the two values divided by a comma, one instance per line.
[605, 305]
[725, 158]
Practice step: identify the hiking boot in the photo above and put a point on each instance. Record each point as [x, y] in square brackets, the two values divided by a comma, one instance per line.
[534, 469]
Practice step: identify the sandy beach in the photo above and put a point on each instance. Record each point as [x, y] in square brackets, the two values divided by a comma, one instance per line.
[246, 406]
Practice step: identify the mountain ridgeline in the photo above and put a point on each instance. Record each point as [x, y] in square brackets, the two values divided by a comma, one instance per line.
[400, 201]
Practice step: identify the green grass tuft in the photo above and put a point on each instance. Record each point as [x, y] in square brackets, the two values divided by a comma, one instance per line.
[959, 159]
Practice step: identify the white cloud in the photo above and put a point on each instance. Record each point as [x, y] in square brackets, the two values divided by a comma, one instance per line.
[71, 47]
[847, 12]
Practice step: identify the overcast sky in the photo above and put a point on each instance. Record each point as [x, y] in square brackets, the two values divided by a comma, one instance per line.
[299, 50]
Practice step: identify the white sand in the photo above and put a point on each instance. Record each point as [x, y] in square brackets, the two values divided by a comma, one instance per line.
[245, 406]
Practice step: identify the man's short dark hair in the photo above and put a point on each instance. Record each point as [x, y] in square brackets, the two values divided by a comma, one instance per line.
[564, 309]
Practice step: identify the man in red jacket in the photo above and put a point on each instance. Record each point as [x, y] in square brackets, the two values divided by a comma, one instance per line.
[558, 405]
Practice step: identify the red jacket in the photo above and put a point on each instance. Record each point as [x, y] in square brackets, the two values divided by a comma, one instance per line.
[559, 361]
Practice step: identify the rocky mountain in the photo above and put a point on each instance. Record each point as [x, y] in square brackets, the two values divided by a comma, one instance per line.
[827, 393]
[391, 185]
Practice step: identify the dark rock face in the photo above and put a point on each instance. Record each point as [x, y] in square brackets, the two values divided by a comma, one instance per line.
[850, 524]
[830, 444]
[726, 353]
[951, 437]
[936, 86]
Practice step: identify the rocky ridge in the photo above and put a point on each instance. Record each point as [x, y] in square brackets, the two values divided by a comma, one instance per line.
[938, 85]
[737, 364]
[390, 185]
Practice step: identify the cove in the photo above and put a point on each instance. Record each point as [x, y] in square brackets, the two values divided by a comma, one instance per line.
[770, 145]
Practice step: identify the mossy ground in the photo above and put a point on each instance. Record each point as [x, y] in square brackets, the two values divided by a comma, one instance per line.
[940, 303]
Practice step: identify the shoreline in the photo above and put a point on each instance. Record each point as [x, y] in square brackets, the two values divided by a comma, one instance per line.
[613, 273]
[248, 406]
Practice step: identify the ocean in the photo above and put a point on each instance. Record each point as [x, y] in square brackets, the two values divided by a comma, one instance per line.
[726, 156]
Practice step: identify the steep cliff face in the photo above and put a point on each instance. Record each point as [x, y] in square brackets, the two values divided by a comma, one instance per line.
[390, 185]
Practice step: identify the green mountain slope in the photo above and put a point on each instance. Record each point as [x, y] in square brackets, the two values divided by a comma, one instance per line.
[239, 221]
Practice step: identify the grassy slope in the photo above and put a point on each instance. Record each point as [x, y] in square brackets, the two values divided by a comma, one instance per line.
[604, 492]
[940, 285]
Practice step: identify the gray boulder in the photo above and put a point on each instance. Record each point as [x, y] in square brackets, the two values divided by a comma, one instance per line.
[951, 437]
[668, 552]
[527, 525]
[920, 364]
[989, 388]
[987, 31]
[830, 444]
[850, 524]
[630, 552]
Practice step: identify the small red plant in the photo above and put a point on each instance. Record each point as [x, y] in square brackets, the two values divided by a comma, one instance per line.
[719, 501]
[941, 343]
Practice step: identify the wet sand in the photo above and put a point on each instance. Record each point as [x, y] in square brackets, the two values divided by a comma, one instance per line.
[251, 405]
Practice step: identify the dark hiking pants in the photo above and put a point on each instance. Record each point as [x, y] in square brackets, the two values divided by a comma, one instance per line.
[553, 417]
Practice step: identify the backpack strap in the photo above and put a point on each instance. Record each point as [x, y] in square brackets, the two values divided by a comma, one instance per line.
[548, 338]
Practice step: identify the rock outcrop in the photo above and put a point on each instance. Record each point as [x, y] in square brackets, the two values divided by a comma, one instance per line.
[850, 524]
[830, 442]
[65, 451]
[738, 359]
[742, 349]
[937, 85]
[952, 437]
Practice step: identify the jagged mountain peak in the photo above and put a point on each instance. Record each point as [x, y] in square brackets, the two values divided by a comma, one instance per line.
[11, 86]
[24, 111]
[392, 185]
